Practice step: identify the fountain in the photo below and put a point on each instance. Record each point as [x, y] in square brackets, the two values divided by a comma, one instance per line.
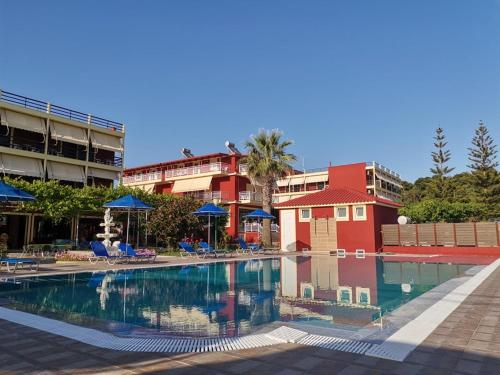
[108, 224]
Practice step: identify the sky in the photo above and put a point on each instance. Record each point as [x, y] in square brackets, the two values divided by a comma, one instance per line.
[347, 81]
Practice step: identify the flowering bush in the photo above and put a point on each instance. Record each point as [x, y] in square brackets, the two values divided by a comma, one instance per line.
[148, 252]
[71, 256]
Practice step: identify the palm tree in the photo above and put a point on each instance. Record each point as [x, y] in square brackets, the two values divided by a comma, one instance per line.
[267, 161]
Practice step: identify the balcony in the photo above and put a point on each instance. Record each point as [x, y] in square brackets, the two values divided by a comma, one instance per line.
[210, 196]
[213, 168]
[243, 169]
[257, 228]
[143, 177]
[69, 114]
[250, 196]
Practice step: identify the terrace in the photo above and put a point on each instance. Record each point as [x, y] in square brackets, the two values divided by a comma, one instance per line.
[52, 109]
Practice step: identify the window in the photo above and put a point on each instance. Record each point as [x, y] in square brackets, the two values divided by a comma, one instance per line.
[305, 214]
[344, 295]
[342, 213]
[359, 212]
[321, 185]
[362, 296]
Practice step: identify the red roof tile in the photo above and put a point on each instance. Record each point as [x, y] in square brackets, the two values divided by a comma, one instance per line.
[333, 196]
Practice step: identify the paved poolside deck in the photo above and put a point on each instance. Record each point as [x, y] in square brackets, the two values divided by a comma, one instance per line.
[467, 342]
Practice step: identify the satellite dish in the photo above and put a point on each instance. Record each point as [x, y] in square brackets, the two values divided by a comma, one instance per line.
[402, 220]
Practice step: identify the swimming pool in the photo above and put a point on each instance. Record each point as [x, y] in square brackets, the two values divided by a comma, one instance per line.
[227, 299]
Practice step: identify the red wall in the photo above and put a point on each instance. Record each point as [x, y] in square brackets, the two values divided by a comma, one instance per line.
[352, 176]
[302, 233]
[383, 215]
[352, 235]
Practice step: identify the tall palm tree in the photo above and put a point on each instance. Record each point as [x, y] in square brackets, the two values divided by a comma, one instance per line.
[267, 161]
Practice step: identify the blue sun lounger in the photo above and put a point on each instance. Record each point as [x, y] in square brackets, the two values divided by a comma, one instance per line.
[188, 250]
[248, 248]
[209, 250]
[12, 264]
[129, 251]
[100, 253]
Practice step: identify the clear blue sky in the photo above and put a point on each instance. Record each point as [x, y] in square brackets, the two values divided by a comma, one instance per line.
[346, 80]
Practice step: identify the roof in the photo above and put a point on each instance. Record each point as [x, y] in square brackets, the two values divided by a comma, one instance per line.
[173, 162]
[333, 196]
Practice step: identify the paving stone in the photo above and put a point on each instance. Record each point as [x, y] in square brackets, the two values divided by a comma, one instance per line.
[468, 367]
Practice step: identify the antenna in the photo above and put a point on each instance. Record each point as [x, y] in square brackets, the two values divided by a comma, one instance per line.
[232, 148]
[187, 152]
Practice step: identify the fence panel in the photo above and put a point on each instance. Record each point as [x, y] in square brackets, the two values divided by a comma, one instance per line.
[408, 235]
[445, 234]
[390, 234]
[487, 234]
[426, 235]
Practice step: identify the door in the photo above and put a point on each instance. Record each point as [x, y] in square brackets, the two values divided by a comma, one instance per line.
[287, 227]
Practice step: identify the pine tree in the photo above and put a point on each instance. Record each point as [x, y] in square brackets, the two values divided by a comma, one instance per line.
[483, 153]
[483, 167]
[441, 156]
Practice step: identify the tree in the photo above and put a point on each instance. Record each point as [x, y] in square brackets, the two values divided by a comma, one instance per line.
[267, 161]
[173, 219]
[441, 156]
[435, 211]
[483, 152]
[482, 155]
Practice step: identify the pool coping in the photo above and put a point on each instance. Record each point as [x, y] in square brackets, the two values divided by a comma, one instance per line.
[396, 347]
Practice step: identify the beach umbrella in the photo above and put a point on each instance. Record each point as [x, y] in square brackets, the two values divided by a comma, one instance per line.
[259, 214]
[129, 203]
[211, 210]
[10, 193]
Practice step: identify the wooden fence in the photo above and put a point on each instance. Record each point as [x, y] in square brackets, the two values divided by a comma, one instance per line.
[484, 234]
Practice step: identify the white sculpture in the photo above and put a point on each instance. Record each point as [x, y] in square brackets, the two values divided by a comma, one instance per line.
[108, 224]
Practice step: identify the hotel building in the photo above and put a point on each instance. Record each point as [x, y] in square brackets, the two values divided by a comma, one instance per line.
[220, 177]
[40, 140]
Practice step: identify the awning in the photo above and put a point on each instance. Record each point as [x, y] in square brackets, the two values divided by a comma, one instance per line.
[20, 165]
[103, 173]
[68, 133]
[192, 184]
[318, 178]
[292, 180]
[66, 172]
[105, 142]
[22, 121]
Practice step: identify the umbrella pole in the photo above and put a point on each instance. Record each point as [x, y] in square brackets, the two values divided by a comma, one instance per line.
[128, 225]
[146, 235]
[215, 232]
[138, 228]
[208, 229]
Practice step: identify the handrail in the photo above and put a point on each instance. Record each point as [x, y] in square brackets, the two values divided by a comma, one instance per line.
[70, 114]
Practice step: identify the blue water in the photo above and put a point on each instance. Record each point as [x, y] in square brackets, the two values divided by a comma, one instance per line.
[233, 298]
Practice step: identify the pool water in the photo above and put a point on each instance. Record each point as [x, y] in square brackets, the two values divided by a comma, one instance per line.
[233, 298]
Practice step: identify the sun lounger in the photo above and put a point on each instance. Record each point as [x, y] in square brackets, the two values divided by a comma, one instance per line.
[188, 250]
[248, 248]
[100, 253]
[209, 250]
[129, 251]
[12, 264]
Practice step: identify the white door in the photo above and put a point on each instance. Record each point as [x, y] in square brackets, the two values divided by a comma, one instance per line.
[287, 228]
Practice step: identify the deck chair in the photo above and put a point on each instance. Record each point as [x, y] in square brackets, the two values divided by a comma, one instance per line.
[12, 264]
[248, 248]
[188, 250]
[129, 251]
[100, 253]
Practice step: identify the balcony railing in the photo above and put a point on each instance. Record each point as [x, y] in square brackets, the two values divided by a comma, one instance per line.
[70, 114]
[383, 169]
[22, 143]
[143, 177]
[198, 169]
[250, 196]
[257, 227]
[210, 196]
[243, 168]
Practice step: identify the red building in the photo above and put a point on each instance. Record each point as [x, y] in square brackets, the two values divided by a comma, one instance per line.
[218, 177]
[341, 216]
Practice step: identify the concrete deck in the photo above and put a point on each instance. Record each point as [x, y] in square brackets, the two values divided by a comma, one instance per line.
[467, 342]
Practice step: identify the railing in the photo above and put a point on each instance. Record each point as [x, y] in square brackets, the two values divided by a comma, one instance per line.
[22, 143]
[383, 169]
[143, 177]
[243, 168]
[116, 161]
[250, 196]
[198, 169]
[484, 234]
[210, 195]
[41, 106]
[257, 227]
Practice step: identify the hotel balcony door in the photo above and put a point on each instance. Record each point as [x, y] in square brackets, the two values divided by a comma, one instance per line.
[288, 233]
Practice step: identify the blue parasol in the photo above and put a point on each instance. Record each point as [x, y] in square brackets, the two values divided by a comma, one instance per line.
[129, 202]
[10, 193]
[209, 210]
